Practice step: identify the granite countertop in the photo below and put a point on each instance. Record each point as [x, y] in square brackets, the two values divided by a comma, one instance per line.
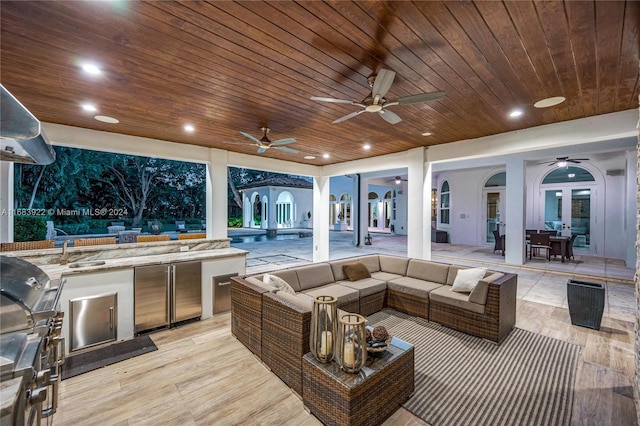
[55, 271]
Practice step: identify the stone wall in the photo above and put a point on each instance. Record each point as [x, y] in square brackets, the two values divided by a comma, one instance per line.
[637, 281]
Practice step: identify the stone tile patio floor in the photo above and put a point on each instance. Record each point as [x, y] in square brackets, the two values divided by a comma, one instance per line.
[539, 281]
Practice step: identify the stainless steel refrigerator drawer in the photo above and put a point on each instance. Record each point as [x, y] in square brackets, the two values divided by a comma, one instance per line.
[222, 293]
[94, 320]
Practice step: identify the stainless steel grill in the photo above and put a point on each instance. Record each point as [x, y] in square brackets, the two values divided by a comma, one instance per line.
[31, 349]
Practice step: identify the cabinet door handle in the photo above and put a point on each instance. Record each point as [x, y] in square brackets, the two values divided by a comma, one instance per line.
[111, 318]
[224, 283]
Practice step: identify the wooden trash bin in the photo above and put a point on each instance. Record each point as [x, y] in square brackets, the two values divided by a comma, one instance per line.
[586, 303]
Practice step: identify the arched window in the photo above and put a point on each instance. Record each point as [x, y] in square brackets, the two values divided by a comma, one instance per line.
[499, 179]
[568, 175]
[445, 200]
[284, 209]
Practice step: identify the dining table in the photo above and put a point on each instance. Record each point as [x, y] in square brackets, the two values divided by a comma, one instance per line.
[554, 242]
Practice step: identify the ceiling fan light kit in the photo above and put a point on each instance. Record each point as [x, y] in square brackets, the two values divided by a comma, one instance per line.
[376, 102]
[563, 162]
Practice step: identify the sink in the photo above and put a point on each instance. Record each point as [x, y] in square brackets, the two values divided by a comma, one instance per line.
[86, 264]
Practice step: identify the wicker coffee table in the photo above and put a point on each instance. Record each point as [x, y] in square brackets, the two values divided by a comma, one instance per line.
[366, 398]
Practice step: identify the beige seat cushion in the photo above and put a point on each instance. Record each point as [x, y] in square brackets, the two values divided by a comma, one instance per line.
[459, 300]
[300, 300]
[385, 276]
[428, 271]
[393, 264]
[343, 293]
[366, 286]
[413, 286]
[315, 275]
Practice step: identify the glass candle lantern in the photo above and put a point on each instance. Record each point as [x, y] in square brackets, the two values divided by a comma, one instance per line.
[352, 343]
[324, 328]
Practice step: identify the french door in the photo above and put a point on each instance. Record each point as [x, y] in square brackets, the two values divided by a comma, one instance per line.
[494, 202]
[568, 211]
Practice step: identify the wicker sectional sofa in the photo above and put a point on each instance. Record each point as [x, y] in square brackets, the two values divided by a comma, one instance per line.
[275, 326]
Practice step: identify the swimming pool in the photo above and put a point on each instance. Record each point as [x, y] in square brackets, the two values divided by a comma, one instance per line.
[264, 237]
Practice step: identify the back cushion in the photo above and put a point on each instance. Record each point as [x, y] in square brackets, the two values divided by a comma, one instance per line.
[393, 265]
[371, 262]
[290, 277]
[453, 271]
[428, 271]
[314, 275]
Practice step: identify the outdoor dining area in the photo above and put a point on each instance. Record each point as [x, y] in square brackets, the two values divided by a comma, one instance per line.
[541, 242]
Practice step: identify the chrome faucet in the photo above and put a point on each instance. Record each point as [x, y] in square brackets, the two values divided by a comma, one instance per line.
[65, 253]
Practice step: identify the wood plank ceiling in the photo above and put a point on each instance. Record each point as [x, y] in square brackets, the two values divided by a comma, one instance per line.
[227, 67]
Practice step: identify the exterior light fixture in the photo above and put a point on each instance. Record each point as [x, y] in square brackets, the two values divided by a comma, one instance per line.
[189, 128]
[515, 113]
[325, 155]
[89, 107]
[366, 147]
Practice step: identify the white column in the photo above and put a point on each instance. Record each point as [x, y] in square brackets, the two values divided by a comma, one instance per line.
[6, 202]
[321, 192]
[418, 235]
[515, 205]
[426, 216]
[216, 197]
[363, 201]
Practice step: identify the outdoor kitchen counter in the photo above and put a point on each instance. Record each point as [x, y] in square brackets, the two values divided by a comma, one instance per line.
[101, 265]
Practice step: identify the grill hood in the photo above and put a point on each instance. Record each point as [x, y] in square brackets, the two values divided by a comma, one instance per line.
[21, 136]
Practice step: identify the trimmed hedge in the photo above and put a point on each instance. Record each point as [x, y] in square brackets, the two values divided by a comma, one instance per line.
[29, 228]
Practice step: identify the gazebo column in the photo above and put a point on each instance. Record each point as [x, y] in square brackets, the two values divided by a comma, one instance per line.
[6, 201]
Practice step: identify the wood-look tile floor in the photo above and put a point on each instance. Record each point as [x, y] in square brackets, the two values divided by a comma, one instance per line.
[201, 375]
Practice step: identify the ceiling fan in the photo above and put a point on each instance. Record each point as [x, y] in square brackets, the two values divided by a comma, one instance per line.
[264, 143]
[398, 180]
[564, 161]
[376, 102]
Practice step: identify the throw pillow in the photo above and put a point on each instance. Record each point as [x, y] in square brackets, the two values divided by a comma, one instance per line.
[356, 271]
[467, 279]
[279, 283]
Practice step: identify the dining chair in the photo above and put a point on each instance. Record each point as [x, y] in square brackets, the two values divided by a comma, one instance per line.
[499, 244]
[539, 242]
[569, 248]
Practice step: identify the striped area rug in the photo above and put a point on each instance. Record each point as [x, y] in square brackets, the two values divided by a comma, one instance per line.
[464, 380]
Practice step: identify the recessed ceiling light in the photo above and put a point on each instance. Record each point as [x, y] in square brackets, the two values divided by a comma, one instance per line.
[92, 69]
[549, 102]
[189, 128]
[366, 147]
[89, 107]
[427, 134]
[309, 157]
[325, 155]
[515, 113]
[107, 119]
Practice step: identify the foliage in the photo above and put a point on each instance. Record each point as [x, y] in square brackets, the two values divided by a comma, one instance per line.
[100, 187]
[30, 228]
[234, 222]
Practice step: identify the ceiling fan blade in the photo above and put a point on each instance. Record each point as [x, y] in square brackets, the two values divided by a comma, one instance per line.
[382, 83]
[421, 97]
[253, 138]
[347, 117]
[389, 116]
[261, 150]
[286, 149]
[283, 141]
[239, 143]
[334, 100]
